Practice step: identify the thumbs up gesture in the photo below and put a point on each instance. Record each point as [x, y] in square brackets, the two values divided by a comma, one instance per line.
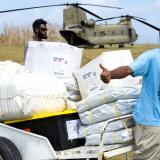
[105, 75]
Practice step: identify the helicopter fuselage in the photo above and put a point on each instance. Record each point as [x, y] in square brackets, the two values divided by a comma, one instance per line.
[99, 34]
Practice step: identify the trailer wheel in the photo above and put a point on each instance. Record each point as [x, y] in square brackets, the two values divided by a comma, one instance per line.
[8, 150]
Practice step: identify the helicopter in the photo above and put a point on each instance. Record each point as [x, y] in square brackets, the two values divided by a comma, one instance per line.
[80, 31]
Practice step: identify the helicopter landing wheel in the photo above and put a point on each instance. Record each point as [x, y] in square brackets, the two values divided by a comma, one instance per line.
[121, 45]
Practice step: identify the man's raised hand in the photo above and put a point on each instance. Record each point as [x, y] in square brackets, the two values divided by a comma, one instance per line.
[105, 75]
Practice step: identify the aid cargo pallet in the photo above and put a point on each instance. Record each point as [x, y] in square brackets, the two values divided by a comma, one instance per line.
[21, 145]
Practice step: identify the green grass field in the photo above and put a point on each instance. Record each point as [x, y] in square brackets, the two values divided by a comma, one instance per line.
[16, 54]
[136, 50]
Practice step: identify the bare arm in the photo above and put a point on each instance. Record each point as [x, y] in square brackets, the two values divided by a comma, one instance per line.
[120, 72]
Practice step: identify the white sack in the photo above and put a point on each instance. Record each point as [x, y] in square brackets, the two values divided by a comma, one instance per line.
[74, 96]
[88, 76]
[96, 128]
[9, 67]
[53, 58]
[25, 95]
[117, 137]
[107, 111]
[108, 95]
[70, 83]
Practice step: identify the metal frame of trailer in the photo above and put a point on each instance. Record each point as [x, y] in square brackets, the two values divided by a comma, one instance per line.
[35, 147]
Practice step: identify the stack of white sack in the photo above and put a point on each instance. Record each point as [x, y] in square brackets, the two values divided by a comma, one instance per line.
[102, 102]
[105, 104]
[57, 59]
[29, 94]
[88, 76]
[8, 67]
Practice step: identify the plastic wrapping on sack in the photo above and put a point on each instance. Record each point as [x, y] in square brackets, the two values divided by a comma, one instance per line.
[53, 58]
[70, 83]
[25, 95]
[108, 95]
[74, 95]
[107, 111]
[117, 137]
[71, 105]
[9, 67]
[96, 128]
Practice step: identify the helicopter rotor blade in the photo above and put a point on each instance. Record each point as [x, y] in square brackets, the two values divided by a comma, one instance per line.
[20, 9]
[91, 13]
[122, 16]
[100, 5]
[66, 4]
[137, 17]
[104, 19]
[146, 23]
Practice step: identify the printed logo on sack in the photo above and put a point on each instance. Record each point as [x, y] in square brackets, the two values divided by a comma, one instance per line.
[89, 75]
[58, 59]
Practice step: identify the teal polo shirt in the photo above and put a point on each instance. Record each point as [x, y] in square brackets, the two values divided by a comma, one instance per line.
[147, 109]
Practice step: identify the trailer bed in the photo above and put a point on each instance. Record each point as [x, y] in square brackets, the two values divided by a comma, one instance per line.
[30, 144]
[86, 152]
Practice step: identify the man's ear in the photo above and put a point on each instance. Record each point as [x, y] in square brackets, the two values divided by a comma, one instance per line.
[36, 30]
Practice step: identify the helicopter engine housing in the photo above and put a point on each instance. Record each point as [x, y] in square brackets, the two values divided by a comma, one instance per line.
[88, 23]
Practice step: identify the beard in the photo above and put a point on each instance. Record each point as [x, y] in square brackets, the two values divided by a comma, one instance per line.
[42, 35]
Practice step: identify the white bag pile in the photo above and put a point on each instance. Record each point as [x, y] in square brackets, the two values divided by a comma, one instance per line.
[8, 67]
[106, 104]
[57, 59]
[102, 102]
[27, 95]
[96, 128]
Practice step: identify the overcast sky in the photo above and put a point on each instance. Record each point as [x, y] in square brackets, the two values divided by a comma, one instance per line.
[148, 9]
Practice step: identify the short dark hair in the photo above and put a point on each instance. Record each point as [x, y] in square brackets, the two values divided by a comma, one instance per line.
[37, 23]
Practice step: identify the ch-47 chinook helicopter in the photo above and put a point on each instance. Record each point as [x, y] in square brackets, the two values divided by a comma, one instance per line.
[79, 31]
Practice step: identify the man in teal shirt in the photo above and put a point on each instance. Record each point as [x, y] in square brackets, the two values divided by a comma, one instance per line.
[146, 113]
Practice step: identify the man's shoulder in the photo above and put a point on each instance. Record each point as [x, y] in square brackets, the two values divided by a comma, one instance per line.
[150, 53]
[155, 50]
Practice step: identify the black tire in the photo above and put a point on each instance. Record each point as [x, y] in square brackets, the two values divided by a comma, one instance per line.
[101, 46]
[121, 45]
[8, 150]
